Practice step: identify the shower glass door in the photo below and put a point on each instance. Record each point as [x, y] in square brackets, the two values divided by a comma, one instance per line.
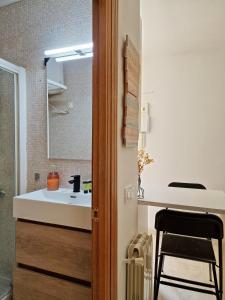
[8, 177]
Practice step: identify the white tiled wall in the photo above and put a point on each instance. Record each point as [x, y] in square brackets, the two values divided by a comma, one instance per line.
[27, 28]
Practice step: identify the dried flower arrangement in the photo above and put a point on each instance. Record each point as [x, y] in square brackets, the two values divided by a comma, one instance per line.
[143, 160]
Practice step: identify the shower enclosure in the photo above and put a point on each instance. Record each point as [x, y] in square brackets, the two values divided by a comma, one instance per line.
[12, 105]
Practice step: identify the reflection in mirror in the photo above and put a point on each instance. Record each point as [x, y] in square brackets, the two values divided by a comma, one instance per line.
[69, 80]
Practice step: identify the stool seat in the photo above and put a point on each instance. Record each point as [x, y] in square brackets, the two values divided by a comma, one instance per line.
[188, 248]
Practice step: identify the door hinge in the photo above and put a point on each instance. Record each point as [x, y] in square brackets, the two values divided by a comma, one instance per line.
[95, 217]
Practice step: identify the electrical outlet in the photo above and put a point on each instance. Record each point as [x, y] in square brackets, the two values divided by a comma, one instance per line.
[129, 193]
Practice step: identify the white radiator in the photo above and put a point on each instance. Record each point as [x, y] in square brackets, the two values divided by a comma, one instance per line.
[139, 268]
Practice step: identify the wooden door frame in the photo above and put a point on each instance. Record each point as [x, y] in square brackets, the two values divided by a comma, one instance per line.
[104, 164]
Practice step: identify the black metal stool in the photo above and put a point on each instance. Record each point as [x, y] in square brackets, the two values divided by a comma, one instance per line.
[184, 236]
[197, 186]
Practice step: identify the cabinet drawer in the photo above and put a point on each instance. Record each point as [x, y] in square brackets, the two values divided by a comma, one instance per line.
[29, 285]
[55, 249]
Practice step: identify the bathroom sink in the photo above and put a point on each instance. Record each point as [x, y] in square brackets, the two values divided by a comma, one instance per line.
[65, 196]
[61, 207]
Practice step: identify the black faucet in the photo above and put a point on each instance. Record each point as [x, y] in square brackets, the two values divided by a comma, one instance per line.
[76, 183]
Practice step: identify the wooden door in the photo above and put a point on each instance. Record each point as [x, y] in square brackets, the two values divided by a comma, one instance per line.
[104, 277]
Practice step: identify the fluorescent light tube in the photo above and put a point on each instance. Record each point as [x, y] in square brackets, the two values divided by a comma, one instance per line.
[73, 57]
[68, 49]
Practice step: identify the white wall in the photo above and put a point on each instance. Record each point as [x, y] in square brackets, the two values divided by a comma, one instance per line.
[129, 23]
[187, 78]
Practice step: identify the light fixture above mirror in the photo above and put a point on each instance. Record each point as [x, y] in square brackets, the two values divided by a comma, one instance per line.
[74, 57]
[71, 53]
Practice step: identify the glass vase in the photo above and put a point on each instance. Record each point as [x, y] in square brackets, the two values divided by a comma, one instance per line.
[140, 191]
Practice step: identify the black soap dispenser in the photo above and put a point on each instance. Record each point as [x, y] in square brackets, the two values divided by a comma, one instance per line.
[76, 183]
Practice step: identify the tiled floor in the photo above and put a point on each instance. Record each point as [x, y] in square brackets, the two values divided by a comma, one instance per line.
[189, 270]
[185, 269]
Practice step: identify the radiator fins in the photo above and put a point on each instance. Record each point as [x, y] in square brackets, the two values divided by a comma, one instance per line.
[139, 268]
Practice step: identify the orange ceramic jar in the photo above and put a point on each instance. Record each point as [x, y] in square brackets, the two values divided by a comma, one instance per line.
[53, 181]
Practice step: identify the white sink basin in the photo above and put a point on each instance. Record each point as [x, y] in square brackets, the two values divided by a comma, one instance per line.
[65, 196]
[61, 207]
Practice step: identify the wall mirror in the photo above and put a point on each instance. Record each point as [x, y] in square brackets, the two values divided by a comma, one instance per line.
[69, 85]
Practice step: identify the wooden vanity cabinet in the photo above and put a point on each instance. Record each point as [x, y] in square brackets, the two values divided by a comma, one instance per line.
[53, 262]
[30, 285]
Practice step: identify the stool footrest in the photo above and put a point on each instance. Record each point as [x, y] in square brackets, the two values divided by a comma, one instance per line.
[188, 281]
[187, 287]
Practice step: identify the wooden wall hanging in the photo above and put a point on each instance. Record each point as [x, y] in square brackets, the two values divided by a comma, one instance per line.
[131, 95]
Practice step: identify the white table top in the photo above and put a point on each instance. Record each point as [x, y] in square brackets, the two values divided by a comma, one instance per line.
[186, 199]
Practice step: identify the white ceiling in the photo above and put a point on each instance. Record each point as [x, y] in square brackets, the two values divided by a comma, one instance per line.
[182, 25]
[7, 2]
